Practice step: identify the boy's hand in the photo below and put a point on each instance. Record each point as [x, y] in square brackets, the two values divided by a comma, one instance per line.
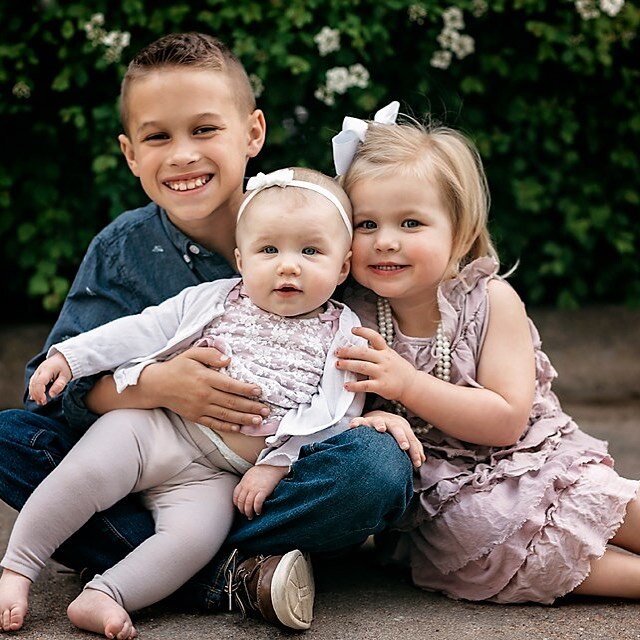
[255, 487]
[53, 370]
[399, 428]
[191, 386]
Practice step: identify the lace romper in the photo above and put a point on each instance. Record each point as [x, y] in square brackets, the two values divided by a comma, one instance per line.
[508, 524]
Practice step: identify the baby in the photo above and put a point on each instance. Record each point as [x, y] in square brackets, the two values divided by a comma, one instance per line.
[279, 329]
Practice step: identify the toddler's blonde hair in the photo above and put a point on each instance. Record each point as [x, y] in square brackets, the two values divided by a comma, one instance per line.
[443, 156]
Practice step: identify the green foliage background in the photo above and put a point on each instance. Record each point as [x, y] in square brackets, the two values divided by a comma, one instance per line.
[551, 99]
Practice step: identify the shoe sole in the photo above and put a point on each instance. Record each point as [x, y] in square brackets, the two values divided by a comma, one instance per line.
[293, 591]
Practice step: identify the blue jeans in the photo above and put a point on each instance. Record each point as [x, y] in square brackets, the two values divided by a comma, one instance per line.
[339, 492]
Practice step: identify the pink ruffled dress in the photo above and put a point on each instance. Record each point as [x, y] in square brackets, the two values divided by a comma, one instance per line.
[507, 524]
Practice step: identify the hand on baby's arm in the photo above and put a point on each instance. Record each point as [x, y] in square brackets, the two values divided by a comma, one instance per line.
[255, 487]
[399, 428]
[53, 370]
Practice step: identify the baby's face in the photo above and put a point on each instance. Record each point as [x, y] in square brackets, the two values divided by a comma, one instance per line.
[292, 252]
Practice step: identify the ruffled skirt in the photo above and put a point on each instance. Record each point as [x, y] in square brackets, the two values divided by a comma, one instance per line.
[523, 530]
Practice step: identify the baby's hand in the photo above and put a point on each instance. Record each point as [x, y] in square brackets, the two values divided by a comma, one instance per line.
[53, 370]
[255, 487]
[399, 428]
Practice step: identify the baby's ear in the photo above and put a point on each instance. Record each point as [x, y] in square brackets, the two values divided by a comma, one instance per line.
[346, 267]
[127, 151]
[236, 253]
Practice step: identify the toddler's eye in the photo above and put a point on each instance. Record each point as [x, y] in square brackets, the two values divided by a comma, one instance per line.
[367, 224]
[269, 249]
[309, 251]
[410, 224]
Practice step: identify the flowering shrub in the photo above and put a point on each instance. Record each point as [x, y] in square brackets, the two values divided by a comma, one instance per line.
[548, 89]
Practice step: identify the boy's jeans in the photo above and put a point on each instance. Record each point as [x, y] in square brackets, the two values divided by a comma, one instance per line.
[339, 492]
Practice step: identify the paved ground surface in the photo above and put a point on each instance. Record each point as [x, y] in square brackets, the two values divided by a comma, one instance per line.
[597, 353]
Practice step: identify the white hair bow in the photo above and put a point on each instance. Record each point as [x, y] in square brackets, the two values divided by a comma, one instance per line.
[280, 178]
[345, 144]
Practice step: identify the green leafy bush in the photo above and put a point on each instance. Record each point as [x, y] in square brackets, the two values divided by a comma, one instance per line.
[548, 89]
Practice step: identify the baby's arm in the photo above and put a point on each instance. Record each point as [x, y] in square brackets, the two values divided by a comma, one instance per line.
[256, 486]
[495, 415]
[54, 370]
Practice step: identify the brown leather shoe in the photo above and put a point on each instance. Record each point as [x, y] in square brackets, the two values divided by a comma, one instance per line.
[278, 588]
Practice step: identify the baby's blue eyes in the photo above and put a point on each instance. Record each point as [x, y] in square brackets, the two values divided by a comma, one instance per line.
[307, 251]
[410, 224]
[366, 224]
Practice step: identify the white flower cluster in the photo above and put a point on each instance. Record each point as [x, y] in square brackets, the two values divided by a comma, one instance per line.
[339, 80]
[21, 90]
[479, 8]
[256, 84]
[328, 40]
[417, 13]
[451, 41]
[113, 41]
[590, 9]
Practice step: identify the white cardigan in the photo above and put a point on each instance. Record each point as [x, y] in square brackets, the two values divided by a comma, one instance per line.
[131, 343]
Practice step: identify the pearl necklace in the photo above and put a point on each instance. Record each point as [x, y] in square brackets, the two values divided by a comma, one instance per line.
[442, 351]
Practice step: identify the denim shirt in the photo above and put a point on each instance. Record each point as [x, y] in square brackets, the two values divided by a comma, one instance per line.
[138, 260]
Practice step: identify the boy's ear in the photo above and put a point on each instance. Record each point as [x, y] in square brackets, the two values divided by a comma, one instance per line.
[127, 151]
[256, 132]
[346, 267]
[236, 253]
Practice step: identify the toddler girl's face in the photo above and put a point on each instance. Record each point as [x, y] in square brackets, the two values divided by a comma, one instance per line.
[292, 253]
[402, 238]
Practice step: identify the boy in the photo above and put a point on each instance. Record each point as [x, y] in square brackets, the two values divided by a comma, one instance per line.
[190, 126]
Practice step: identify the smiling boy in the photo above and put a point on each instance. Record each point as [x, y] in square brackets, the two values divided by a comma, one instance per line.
[190, 126]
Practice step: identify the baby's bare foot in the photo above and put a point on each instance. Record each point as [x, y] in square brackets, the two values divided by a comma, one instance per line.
[95, 611]
[14, 600]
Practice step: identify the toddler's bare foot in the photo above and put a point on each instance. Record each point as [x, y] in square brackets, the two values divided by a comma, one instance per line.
[95, 611]
[14, 600]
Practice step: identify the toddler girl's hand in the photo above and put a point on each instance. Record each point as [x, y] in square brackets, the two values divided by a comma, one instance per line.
[255, 487]
[389, 374]
[55, 370]
[399, 428]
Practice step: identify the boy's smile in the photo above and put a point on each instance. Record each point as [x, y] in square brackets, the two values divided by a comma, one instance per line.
[189, 141]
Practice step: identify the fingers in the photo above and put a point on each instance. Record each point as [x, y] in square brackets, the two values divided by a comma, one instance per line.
[248, 501]
[209, 356]
[363, 353]
[407, 441]
[377, 423]
[58, 385]
[226, 384]
[376, 341]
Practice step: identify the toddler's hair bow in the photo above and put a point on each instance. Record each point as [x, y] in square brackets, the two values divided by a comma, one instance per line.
[345, 144]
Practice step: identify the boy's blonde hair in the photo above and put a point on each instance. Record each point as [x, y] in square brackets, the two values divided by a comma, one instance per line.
[191, 50]
[446, 158]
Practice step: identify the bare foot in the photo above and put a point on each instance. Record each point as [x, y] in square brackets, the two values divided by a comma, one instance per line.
[14, 600]
[95, 611]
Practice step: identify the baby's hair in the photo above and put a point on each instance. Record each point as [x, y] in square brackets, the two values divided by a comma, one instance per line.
[191, 50]
[444, 156]
[303, 195]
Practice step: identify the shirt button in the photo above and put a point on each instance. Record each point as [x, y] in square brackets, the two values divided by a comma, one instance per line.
[186, 257]
[195, 250]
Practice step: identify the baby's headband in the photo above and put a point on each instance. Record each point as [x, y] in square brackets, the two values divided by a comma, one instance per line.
[345, 144]
[284, 178]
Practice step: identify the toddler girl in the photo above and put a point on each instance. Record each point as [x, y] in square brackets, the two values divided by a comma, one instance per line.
[514, 503]
[279, 329]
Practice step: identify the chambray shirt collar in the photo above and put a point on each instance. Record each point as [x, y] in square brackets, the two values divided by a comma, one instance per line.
[209, 263]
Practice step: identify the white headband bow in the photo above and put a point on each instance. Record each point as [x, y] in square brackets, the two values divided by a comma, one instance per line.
[345, 144]
[284, 178]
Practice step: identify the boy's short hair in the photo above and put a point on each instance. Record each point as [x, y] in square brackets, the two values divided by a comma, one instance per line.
[195, 50]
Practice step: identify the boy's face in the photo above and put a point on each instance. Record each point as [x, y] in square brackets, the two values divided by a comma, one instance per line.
[189, 142]
[292, 254]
